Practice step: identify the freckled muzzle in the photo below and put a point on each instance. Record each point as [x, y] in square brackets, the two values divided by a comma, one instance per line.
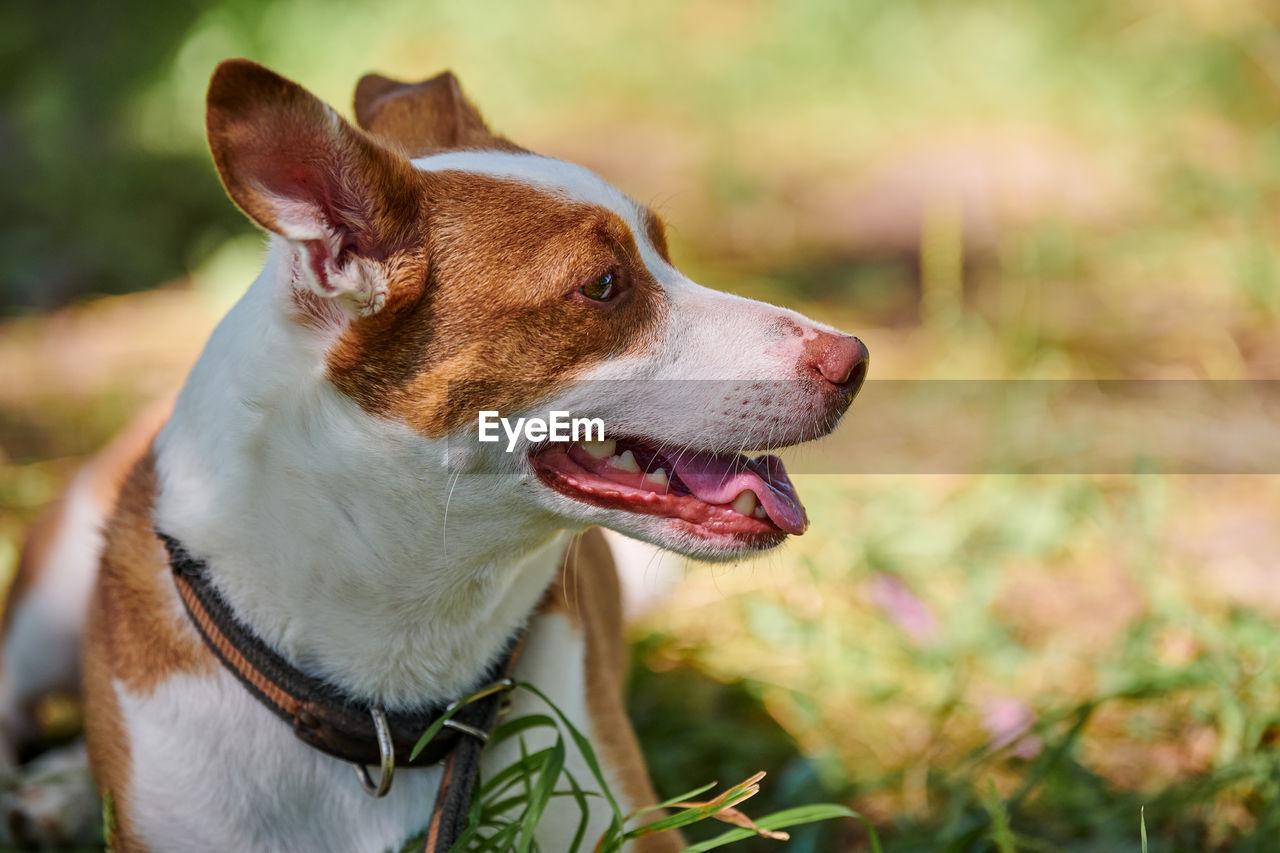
[708, 491]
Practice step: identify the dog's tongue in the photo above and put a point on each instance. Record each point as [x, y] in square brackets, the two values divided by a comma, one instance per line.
[719, 479]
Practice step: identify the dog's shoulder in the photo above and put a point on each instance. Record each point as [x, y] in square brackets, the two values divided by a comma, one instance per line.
[135, 639]
[142, 623]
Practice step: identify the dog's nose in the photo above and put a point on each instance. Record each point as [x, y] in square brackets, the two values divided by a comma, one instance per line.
[843, 362]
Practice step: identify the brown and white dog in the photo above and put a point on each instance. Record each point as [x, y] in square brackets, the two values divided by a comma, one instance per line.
[322, 460]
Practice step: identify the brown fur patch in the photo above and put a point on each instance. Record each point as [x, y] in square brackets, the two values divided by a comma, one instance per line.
[106, 737]
[586, 590]
[146, 633]
[423, 118]
[656, 231]
[501, 324]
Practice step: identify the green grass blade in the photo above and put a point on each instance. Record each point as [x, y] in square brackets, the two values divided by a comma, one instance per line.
[109, 828]
[510, 775]
[498, 807]
[584, 811]
[520, 725]
[687, 795]
[580, 741]
[588, 755]
[1001, 833]
[540, 794]
[693, 814]
[525, 777]
[500, 842]
[508, 807]
[452, 711]
[788, 817]
[1142, 827]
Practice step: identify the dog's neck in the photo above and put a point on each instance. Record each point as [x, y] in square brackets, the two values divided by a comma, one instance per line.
[346, 541]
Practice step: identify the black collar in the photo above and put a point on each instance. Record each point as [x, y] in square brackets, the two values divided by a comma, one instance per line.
[327, 718]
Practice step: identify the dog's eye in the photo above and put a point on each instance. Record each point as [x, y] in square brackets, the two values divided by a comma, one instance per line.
[602, 289]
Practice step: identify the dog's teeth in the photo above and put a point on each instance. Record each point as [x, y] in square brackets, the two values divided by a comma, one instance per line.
[745, 503]
[625, 462]
[759, 513]
[658, 478]
[600, 449]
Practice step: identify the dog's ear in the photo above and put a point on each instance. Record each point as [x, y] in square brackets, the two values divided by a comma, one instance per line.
[423, 118]
[298, 169]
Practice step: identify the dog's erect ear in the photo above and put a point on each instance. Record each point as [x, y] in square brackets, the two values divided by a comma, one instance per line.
[297, 168]
[423, 118]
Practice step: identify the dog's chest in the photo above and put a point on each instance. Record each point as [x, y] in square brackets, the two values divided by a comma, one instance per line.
[208, 761]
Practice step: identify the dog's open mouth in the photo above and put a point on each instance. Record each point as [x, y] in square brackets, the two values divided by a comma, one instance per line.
[715, 493]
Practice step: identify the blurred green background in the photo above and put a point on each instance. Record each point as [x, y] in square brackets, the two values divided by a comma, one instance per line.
[984, 189]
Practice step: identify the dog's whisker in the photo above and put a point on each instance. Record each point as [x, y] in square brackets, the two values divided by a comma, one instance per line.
[444, 522]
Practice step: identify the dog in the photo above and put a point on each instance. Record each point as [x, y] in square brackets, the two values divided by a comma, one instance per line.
[313, 546]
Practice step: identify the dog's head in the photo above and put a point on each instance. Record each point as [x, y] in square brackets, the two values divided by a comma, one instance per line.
[446, 272]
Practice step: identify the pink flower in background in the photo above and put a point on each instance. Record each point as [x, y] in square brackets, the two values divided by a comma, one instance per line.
[1008, 721]
[903, 608]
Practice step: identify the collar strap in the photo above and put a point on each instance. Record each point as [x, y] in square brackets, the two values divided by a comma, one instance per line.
[320, 714]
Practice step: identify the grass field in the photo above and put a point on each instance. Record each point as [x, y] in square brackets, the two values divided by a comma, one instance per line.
[980, 190]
